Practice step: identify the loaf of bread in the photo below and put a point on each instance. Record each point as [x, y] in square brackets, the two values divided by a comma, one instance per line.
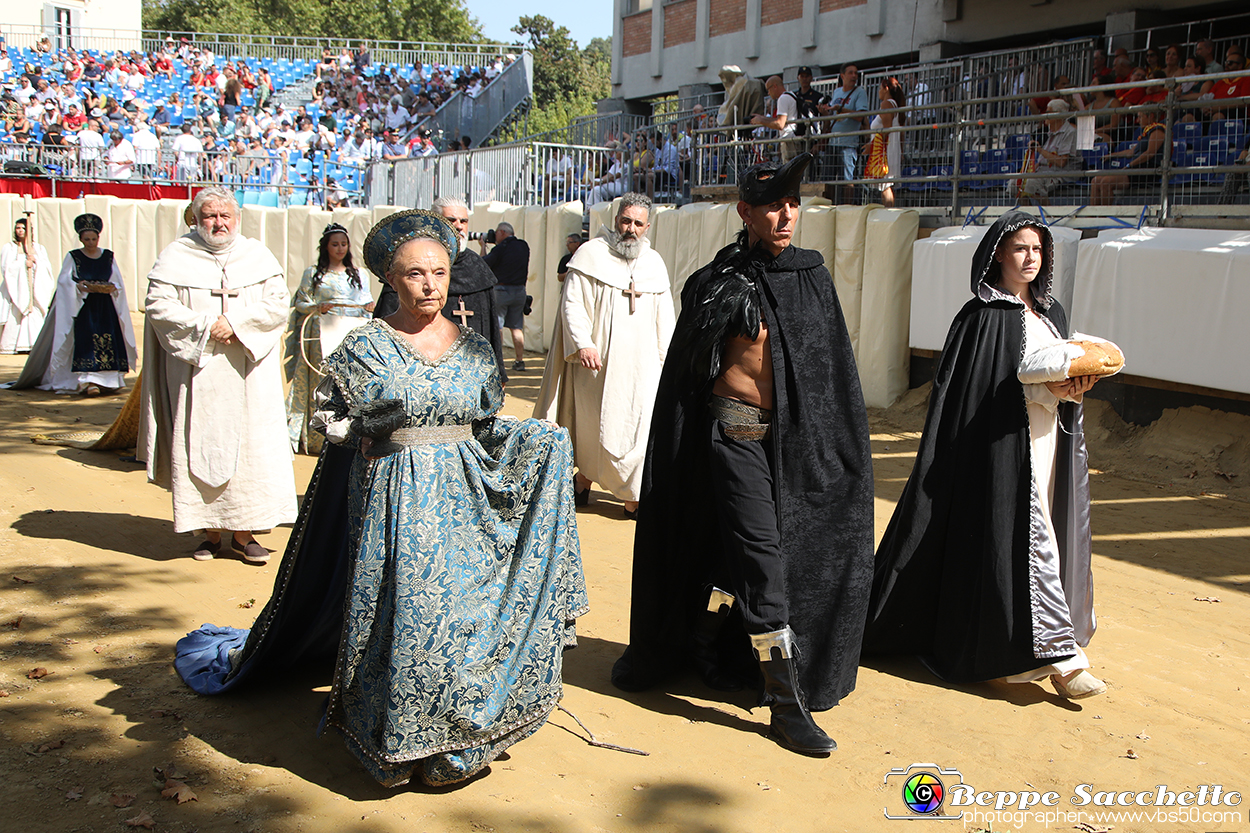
[101, 288]
[1102, 358]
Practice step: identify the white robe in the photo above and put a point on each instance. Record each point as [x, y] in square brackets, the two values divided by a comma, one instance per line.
[213, 429]
[608, 412]
[25, 295]
[59, 374]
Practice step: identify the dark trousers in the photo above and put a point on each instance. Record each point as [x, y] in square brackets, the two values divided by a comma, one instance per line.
[742, 482]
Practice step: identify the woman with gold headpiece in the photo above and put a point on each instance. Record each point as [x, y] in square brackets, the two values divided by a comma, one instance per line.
[87, 344]
[463, 569]
[332, 287]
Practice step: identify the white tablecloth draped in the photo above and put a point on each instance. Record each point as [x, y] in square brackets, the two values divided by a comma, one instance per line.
[1174, 300]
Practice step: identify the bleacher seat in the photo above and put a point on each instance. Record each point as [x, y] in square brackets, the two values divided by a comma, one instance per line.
[1189, 132]
[943, 174]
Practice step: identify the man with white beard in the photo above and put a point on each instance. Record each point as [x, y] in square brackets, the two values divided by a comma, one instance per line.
[611, 336]
[213, 429]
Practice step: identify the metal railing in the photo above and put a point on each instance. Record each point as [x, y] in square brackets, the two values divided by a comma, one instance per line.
[299, 183]
[530, 173]
[478, 116]
[592, 130]
[293, 48]
[980, 158]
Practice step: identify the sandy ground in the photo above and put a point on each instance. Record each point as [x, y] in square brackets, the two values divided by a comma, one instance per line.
[95, 588]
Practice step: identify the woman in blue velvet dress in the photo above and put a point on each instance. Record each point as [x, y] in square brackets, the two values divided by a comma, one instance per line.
[464, 571]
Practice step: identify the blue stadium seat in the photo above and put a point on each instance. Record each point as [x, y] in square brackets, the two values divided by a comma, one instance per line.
[997, 155]
[251, 197]
[269, 198]
[1094, 156]
[1190, 132]
[943, 174]
[969, 157]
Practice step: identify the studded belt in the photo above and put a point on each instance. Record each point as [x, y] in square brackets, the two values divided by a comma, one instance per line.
[740, 420]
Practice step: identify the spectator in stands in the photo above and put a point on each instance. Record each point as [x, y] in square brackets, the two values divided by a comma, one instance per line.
[1106, 125]
[1192, 86]
[1235, 87]
[121, 156]
[362, 59]
[328, 66]
[230, 98]
[50, 117]
[424, 106]
[890, 96]
[74, 119]
[744, 98]
[1173, 61]
[1132, 96]
[6, 63]
[188, 153]
[1156, 93]
[421, 144]
[396, 117]
[147, 148]
[1151, 60]
[25, 91]
[392, 148]
[610, 182]
[1122, 68]
[90, 148]
[784, 108]
[683, 143]
[848, 104]
[1205, 49]
[306, 136]
[1143, 156]
[1059, 153]
[360, 149]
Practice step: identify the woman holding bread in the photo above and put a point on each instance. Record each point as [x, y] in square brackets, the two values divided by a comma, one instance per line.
[984, 570]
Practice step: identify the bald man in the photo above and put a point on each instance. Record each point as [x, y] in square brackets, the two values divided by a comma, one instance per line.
[785, 109]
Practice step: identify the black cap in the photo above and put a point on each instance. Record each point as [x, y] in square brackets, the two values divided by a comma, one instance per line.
[805, 71]
[768, 182]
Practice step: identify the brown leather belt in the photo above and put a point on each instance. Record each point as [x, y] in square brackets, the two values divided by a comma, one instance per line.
[741, 421]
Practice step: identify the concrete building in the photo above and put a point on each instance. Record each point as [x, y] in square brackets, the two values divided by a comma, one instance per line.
[664, 47]
[102, 24]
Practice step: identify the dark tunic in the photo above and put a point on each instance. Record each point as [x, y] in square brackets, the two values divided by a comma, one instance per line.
[99, 344]
[822, 468]
[472, 280]
[952, 571]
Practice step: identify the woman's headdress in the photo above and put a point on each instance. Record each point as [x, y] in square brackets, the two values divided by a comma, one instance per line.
[394, 231]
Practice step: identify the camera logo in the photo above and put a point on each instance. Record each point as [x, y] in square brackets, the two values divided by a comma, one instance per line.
[922, 788]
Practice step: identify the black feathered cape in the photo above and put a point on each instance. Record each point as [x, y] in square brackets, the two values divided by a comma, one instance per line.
[823, 488]
[473, 280]
[952, 576]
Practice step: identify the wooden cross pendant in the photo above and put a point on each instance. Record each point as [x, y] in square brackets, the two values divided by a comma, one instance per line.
[225, 293]
[633, 294]
[462, 313]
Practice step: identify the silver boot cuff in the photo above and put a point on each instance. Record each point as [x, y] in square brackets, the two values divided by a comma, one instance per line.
[764, 643]
[718, 599]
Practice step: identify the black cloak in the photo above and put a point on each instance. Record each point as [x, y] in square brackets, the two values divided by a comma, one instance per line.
[952, 581]
[822, 486]
[472, 280]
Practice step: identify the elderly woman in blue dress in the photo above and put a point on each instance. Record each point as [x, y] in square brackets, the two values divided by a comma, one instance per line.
[332, 287]
[455, 545]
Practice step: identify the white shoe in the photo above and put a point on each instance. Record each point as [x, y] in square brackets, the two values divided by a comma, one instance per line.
[1079, 686]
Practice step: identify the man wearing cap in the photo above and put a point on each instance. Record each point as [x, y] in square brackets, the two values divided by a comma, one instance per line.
[753, 553]
[848, 103]
[213, 428]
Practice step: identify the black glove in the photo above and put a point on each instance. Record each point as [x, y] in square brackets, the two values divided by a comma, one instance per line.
[378, 419]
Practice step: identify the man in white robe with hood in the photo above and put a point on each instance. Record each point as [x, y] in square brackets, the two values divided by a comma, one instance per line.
[612, 331]
[214, 422]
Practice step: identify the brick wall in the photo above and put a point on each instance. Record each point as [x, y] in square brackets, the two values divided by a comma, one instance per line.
[636, 34]
[679, 22]
[834, 5]
[728, 16]
[779, 11]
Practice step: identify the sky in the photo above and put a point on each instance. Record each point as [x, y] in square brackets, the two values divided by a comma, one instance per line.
[584, 20]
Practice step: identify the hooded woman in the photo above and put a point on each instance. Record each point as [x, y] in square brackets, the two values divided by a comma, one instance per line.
[984, 571]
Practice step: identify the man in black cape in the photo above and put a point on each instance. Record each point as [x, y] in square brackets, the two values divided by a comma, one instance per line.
[471, 294]
[754, 540]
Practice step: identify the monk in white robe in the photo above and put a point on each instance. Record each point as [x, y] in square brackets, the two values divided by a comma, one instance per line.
[615, 321]
[214, 425]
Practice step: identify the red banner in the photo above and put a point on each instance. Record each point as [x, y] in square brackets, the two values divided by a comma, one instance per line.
[39, 187]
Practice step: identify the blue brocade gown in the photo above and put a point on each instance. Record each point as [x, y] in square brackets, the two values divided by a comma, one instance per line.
[465, 573]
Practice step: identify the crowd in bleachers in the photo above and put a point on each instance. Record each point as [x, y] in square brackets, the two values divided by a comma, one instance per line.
[182, 113]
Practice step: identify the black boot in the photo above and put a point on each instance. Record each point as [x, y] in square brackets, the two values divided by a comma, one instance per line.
[703, 655]
[792, 725]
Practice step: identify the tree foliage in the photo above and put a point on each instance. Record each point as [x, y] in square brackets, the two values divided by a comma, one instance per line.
[568, 80]
[405, 20]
